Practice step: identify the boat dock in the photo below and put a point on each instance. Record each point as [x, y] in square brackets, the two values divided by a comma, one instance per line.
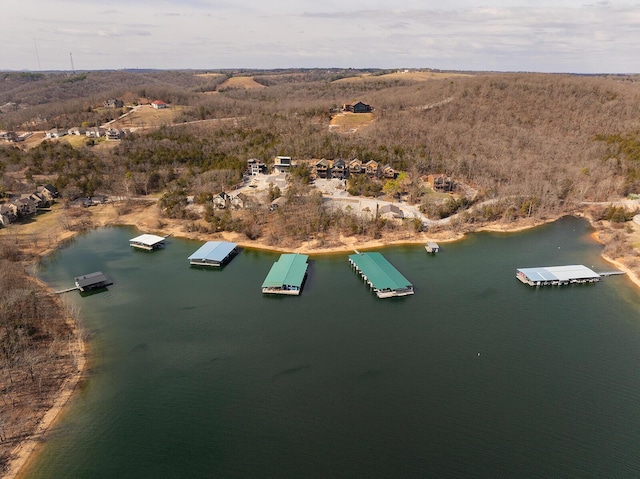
[385, 280]
[147, 242]
[432, 247]
[213, 253]
[286, 275]
[557, 275]
[92, 281]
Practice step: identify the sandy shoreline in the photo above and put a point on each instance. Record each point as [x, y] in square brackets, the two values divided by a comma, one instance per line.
[24, 452]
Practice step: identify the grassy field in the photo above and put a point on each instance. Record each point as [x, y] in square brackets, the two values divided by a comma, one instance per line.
[247, 83]
[351, 121]
[402, 75]
[146, 115]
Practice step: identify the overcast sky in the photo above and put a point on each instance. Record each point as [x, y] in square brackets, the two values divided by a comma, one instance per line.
[517, 35]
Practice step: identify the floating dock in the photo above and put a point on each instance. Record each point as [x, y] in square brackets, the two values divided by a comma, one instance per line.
[432, 247]
[385, 280]
[213, 253]
[557, 275]
[92, 281]
[286, 275]
[147, 242]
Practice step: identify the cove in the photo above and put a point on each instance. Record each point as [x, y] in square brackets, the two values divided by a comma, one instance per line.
[194, 373]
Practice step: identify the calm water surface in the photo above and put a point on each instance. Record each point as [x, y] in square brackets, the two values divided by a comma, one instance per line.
[196, 374]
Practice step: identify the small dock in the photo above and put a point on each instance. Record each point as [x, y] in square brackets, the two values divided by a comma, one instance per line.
[381, 276]
[432, 247]
[92, 281]
[286, 275]
[148, 242]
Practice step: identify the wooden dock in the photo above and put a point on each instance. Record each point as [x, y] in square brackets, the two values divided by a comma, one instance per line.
[74, 288]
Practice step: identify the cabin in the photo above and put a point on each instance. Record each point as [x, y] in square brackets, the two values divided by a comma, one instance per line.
[323, 168]
[213, 253]
[388, 172]
[371, 168]
[159, 104]
[92, 281]
[358, 107]
[355, 167]
[147, 242]
[338, 169]
[221, 201]
[286, 275]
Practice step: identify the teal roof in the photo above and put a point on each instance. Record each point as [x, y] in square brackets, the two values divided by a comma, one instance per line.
[288, 270]
[382, 274]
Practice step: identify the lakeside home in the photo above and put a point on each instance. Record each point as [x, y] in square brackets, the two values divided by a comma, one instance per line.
[286, 275]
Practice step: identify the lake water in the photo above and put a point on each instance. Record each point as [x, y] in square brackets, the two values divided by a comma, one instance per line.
[195, 373]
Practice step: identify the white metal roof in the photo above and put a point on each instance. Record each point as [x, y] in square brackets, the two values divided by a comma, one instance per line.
[147, 239]
[559, 273]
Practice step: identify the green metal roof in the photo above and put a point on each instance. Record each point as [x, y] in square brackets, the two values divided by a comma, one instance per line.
[288, 270]
[379, 271]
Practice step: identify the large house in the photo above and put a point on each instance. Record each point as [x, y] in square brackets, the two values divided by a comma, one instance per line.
[55, 133]
[282, 164]
[256, 167]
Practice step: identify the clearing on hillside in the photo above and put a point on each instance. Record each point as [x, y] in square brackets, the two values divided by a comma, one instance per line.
[404, 75]
[146, 115]
[350, 122]
[239, 83]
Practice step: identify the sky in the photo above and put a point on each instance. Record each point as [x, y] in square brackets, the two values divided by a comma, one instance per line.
[570, 36]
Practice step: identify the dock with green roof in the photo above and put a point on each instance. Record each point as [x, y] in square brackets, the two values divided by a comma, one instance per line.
[286, 275]
[385, 280]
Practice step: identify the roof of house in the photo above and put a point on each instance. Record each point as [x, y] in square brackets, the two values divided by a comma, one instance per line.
[290, 270]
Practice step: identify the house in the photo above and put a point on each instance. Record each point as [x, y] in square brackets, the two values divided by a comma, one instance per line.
[9, 136]
[339, 169]
[323, 168]
[26, 206]
[8, 214]
[391, 211]
[282, 164]
[95, 132]
[159, 104]
[441, 183]
[355, 167]
[38, 199]
[240, 201]
[113, 103]
[55, 133]
[388, 172]
[371, 167]
[357, 107]
[256, 167]
[221, 200]
[114, 134]
[76, 131]
[50, 192]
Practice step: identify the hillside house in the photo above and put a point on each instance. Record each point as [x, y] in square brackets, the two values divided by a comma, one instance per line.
[26, 206]
[8, 214]
[282, 164]
[256, 167]
[114, 134]
[391, 211]
[159, 104]
[355, 167]
[95, 132]
[323, 168]
[55, 133]
[388, 172]
[50, 192]
[240, 201]
[358, 107]
[371, 167]
[441, 183]
[9, 136]
[221, 200]
[339, 169]
[76, 131]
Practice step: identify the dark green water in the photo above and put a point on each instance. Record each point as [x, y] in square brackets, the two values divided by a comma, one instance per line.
[196, 374]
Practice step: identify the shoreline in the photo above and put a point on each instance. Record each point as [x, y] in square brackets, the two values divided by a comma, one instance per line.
[24, 452]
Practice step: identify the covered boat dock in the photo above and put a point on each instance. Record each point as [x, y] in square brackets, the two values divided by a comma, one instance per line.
[213, 253]
[286, 275]
[385, 280]
[557, 275]
[92, 281]
[147, 242]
